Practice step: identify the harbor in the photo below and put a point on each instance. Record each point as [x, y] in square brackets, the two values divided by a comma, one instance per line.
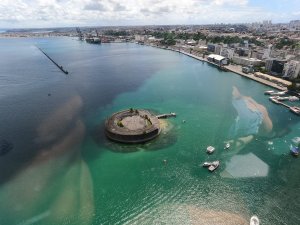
[60, 140]
[276, 97]
[232, 68]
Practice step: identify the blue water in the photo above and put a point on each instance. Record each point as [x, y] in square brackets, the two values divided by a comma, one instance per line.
[60, 169]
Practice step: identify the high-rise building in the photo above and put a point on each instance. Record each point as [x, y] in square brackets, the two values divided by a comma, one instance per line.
[291, 69]
[295, 24]
[275, 66]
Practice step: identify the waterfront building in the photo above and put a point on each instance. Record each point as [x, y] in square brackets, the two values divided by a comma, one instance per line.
[291, 69]
[218, 59]
[140, 38]
[244, 61]
[275, 66]
[273, 79]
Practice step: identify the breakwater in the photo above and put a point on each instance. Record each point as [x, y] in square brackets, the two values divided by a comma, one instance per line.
[59, 66]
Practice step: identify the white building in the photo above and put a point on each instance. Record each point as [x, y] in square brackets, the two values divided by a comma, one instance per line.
[191, 42]
[246, 61]
[140, 38]
[291, 69]
[218, 59]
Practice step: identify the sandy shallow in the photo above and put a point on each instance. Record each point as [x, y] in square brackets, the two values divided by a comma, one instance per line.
[179, 214]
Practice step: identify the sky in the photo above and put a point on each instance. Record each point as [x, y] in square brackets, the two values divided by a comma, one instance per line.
[65, 13]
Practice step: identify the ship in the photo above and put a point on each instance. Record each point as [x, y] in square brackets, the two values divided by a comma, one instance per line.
[93, 40]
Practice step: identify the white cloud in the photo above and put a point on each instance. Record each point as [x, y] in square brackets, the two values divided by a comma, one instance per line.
[39, 13]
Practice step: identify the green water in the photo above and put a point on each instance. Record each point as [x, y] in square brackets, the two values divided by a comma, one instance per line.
[96, 181]
[138, 188]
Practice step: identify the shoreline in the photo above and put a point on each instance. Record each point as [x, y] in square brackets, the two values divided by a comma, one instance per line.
[231, 68]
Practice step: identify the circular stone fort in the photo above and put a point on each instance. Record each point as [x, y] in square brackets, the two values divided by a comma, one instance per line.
[132, 126]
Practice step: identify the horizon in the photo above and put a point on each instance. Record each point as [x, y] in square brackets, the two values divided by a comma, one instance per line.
[40, 14]
[132, 25]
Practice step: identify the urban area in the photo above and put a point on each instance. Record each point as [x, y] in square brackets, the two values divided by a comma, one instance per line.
[263, 51]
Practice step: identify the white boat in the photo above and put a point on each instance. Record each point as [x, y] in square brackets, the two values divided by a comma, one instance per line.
[282, 98]
[227, 146]
[296, 140]
[254, 220]
[206, 164]
[269, 92]
[289, 98]
[280, 93]
[293, 98]
[274, 99]
[214, 165]
[210, 149]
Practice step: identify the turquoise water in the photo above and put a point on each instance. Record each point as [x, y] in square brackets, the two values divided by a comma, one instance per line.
[62, 169]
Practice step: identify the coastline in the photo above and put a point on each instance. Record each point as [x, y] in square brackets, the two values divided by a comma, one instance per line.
[231, 68]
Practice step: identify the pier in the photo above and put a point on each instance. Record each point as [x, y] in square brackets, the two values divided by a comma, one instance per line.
[281, 103]
[59, 67]
[293, 109]
[164, 116]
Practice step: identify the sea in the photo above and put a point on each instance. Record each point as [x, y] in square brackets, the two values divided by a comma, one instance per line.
[57, 166]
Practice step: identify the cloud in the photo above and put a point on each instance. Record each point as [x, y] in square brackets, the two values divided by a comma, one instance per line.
[118, 7]
[156, 11]
[38, 13]
[97, 6]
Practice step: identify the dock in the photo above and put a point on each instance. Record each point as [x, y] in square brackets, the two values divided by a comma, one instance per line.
[166, 115]
[59, 67]
[293, 109]
[281, 103]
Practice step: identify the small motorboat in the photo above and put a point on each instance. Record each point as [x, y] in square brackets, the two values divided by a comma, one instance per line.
[227, 146]
[274, 99]
[296, 140]
[294, 150]
[210, 149]
[254, 220]
[293, 98]
[206, 164]
[214, 165]
[280, 93]
[269, 92]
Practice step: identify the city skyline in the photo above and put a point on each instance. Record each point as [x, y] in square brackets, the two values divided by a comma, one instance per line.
[64, 13]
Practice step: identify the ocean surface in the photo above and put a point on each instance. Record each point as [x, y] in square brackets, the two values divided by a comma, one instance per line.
[57, 167]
